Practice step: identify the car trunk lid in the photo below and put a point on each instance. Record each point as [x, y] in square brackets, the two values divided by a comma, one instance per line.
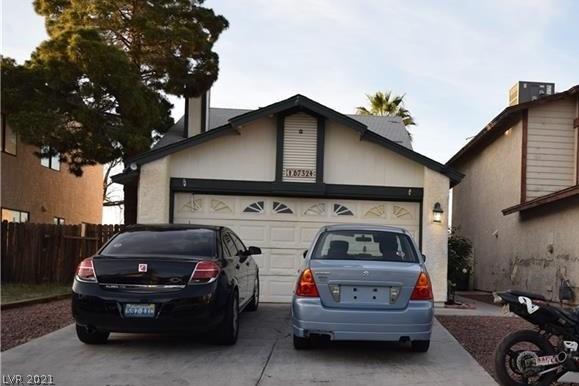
[142, 271]
[364, 284]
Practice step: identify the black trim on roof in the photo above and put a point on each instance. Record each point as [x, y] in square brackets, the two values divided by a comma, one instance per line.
[298, 100]
[300, 103]
[454, 175]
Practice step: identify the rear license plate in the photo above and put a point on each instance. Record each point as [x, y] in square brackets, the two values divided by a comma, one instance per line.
[140, 310]
[364, 294]
[546, 360]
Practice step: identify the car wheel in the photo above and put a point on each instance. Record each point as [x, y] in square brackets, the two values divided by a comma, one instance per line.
[229, 328]
[420, 345]
[89, 335]
[302, 343]
[252, 306]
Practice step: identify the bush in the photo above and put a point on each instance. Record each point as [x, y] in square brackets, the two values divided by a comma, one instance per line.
[459, 260]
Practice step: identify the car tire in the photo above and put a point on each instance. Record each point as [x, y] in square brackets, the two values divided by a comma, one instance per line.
[302, 343]
[229, 328]
[254, 304]
[420, 345]
[90, 335]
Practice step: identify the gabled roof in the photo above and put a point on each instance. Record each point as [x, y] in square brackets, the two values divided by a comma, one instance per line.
[370, 128]
[501, 123]
[391, 128]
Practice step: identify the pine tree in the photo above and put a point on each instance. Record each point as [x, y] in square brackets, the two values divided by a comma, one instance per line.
[96, 90]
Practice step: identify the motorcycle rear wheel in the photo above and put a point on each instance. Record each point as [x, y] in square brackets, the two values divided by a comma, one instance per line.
[506, 356]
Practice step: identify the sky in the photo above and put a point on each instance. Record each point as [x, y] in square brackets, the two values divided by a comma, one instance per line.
[454, 59]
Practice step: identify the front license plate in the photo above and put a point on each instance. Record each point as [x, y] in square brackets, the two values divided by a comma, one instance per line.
[139, 310]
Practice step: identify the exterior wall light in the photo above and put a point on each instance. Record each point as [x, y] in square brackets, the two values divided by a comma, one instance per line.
[437, 213]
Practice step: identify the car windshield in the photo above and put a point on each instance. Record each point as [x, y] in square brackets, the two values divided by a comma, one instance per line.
[180, 242]
[365, 245]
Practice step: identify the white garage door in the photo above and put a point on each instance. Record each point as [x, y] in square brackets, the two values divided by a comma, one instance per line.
[284, 227]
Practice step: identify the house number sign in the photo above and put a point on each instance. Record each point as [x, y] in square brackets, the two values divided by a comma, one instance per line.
[295, 172]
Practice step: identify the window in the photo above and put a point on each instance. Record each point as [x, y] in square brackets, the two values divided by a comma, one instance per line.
[173, 242]
[229, 246]
[238, 243]
[256, 207]
[8, 138]
[58, 221]
[279, 207]
[52, 162]
[341, 210]
[11, 215]
[365, 245]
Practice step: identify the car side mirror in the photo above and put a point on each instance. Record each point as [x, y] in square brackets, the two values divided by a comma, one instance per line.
[254, 251]
[305, 253]
[423, 257]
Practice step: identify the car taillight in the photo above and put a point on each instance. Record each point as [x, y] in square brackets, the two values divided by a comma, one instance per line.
[85, 271]
[205, 272]
[306, 285]
[423, 288]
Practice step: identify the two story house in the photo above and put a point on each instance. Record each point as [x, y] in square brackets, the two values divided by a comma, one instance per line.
[43, 190]
[519, 201]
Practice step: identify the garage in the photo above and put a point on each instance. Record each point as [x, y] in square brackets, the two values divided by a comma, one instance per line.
[284, 227]
[277, 174]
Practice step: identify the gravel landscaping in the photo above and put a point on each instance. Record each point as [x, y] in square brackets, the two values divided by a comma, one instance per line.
[19, 325]
[480, 335]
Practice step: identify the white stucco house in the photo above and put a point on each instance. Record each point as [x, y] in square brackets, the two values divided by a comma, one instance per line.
[275, 175]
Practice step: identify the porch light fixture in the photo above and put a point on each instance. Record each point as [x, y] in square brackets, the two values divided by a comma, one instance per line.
[437, 213]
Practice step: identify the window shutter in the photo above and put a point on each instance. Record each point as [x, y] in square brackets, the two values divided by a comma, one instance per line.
[299, 148]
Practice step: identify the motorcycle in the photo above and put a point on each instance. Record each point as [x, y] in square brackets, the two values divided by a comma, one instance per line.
[541, 356]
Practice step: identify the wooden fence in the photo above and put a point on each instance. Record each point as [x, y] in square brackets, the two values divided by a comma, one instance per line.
[47, 253]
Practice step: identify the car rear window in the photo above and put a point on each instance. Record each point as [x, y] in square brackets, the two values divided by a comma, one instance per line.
[180, 242]
[365, 245]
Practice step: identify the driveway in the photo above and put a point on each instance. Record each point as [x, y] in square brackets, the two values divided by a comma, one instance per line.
[263, 355]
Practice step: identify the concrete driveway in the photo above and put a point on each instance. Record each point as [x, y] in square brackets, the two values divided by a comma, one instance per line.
[263, 355]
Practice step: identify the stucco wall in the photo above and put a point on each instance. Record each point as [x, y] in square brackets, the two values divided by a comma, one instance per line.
[347, 160]
[153, 203]
[248, 156]
[46, 193]
[513, 251]
[435, 235]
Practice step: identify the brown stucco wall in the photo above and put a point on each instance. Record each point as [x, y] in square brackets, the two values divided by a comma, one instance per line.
[46, 193]
[530, 251]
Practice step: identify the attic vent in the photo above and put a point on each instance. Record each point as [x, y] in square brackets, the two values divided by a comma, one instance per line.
[299, 148]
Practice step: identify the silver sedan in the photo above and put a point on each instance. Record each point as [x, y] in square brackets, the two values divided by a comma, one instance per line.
[363, 282]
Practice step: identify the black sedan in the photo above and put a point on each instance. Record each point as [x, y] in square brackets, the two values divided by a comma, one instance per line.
[166, 278]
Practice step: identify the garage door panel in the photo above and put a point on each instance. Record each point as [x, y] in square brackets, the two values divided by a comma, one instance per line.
[253, 234]
[283, 228]
[283, 262]
[278, 288]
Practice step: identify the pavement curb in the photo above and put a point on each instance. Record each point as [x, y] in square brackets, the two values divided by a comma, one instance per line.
[29, 302]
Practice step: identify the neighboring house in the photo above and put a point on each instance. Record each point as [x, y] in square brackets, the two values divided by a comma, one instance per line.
[519, 201]
[277, 174]
[43, 190]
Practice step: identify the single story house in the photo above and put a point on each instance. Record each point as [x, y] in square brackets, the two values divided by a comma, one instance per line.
[519, 201]
[275, 175]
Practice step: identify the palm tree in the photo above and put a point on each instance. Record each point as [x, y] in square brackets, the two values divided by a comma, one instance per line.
[386, 104]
